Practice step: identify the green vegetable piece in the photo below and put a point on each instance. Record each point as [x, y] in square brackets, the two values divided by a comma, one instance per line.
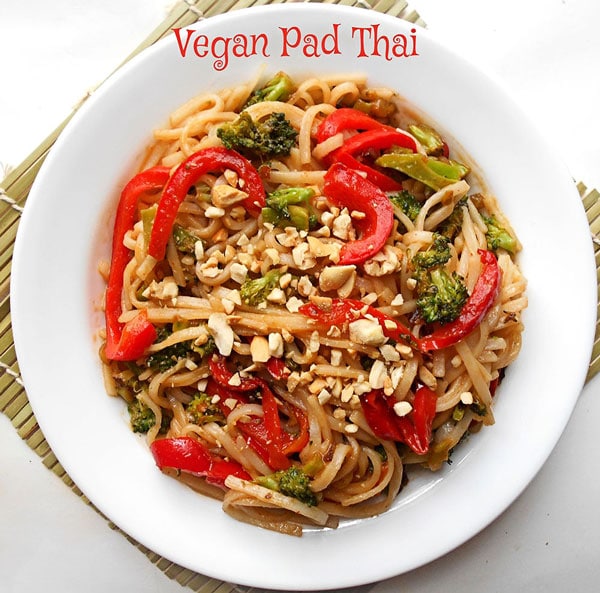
[293, 482]
[201, 410]
[299, 217]
[279, 88]
[437, 254]
[141, 417]
[290, 207]
[432, 172]
[449, 169]
[452, 226]
[314, 465]
[458, 412]
[288, 196]
[271, 215]
[478, 409]
[407, 203]
[441, 295]
[366, 362]
[382, 452]
[164, 359]
[273, 136]
[205, 349]
[147, 216]
[201, 191]
[429, 139]
[376, 107]
[498, 237]
[253, 292]
[184, 240]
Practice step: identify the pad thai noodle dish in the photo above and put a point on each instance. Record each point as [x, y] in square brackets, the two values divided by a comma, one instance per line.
[310, 292]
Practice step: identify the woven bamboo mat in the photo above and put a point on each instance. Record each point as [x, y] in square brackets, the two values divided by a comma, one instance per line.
[14, 190]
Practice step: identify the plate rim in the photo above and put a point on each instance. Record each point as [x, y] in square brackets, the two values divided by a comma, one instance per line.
[18, 331]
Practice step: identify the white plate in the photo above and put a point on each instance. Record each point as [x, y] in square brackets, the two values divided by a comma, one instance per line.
[55, 290]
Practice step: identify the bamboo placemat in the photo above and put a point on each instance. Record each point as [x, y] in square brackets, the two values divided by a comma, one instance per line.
[14, 190]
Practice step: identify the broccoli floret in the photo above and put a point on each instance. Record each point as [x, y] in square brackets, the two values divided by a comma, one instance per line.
[407, 203]
[164, 359]
[497, 236]
[273, 136]
[205, 349]
[437, 254]
[440, 295]
[293, 481]
[184, 240]
[254, 292]
[290, 207]
[141, 417]
[279, 88]
[366, 362]
[201, 410]
[453, 224]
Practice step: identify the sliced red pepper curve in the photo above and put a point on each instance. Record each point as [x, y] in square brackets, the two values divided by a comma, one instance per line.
[189, 455]
[415, 429]
[277, 368]
[187, 173]
[265, 435]
[346, 118]
[373, 135]
[347, 188]
[222, 375]
[346, 310]
[128, 341]
[478, 304]
[376, 139]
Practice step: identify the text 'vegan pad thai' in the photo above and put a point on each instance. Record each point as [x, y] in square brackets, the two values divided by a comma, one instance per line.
[308, 293]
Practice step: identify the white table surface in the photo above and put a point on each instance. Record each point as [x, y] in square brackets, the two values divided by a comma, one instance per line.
[546, 53]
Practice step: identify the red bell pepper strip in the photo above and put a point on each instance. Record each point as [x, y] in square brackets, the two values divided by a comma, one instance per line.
[347, 310]
[478, 304]
[414, 429]
[128, 341]
[380, 415]
[381, 180]
[258, 438]
[373, 135]
[344, 119]
[268, 438]
[224, 394]
[137, 335]
[265, 435]
[189, 455]
[277, 368]
[222, 375]
[376, 139]
[187, 173]
[417, 426]
[347, 188]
